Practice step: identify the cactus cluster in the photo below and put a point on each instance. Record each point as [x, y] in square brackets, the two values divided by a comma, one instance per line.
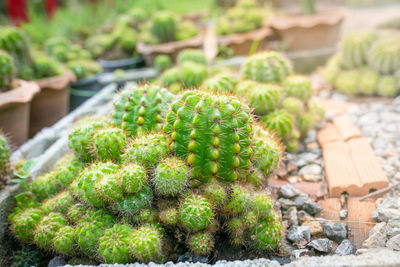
[284, 100]
[119, 202]
[367, 64]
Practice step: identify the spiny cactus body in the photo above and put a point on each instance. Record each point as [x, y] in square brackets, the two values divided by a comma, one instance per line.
[264, 98]
[133, 177]
[194, 55]
[146, 244]
[298, 86]
[25, 222]
[132, 204]
[162, 62]
[47, 228]
[222, 82]
[368, 82]
[279, 122]
[6, 71]
[170, 178]
[215, 193]
[64, 241]
[169, 216]
[163, 26]
[195, 213]
[58, 203]
[107, 144]
[387, 86]
[347, 81]
[384, 55]
[114, 244]
[201, 243]
[355, 48]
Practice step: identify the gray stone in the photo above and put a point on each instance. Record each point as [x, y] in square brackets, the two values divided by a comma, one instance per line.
[285, 248]
[394, 243]
[343, 214]
[377, 236]
[299, 200]
[345, 248]
[189, 257]
[56, 262]
[291, 215]
[300, 253]
[303, 216]
[300, 163]
[323, 245]
[382, 214]
[312, 169]
[312, 207]
[335, 231]
[299, 234]
[392, 228]
[368, 118]
[308, 156]
[288, 191]
[286, 203]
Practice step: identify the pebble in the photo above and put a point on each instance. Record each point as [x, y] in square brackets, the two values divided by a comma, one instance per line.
[56, 262]
[312, 169]
[377, 236]
[291, 216]
[304, 216]
[189, 257]
[312, 208]
[394, 243]
[297, 253]
[323, 245]
[343, 214]
[315, 227]
[335, 231]
[286, 203]
[392, 228]
[288, 191]
[300, 200]
[299, 234]
[345, 248]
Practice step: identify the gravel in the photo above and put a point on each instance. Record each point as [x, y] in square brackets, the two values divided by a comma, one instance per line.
[345, 248]
[335, 231]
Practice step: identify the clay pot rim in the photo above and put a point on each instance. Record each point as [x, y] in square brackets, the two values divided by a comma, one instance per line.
[22, 94]
[239, 38]
[58, 82]
[328, 16]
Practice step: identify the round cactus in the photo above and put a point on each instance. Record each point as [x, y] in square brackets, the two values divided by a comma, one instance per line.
[240, 200]
[107, 144]
[267, 151]
[222, 82]
[132, 204]
[266, 235]
[387, 86]
[75, 212]
[245, 86]
[58, 203]
[266, 67]
[261, 205]
[249, 218]
[347, 81]
[46, 185]
[315, 108]
[201, 243]
[133, 177]
[6, 71]
[47, 228]
[200, 124]
[368, 82]
[332, 69]
[163, 26]
[162, 62]
[215, 193]
[236, 227]
[64, 241]
[87, 236]
[24, 223]
[298, 86]
[141, 109]
[192, 74]
[146, 216]
[355, 48]
[264, 98]
[4, 157]
[293, 105]
[109, 188]
[280, 122]
[171, 76]
[169, 216]
[195, 213]
[384, 55]
[194, 55]
[80, 138]
[114, 244]
[146, 245]
[305, 122]
[147, 150]
[67, 168]
[170, 177]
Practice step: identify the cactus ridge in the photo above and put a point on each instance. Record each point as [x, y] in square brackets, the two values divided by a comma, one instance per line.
[384, 55]
[355, 48]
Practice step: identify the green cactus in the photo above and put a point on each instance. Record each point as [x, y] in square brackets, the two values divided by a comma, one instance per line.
[171, 76]
[164, 26]
[141, 109]
[27, 256]
[354, 50]
[83, 68]
[114, 244]
[79, 140]
[46, 185]
[200, 124]
[87, 236]
[201, 243]
[265, 235]
[146, 244]
[332, 69]
[24, 223]
[222, 82]
[64, 241]
[267, 151]
[186, 29]
[4, 157]
[47, 228]
[58, 203]
[147, 150]
[132, 204]
[170, 177]
[107, 144]
[58, 47]
[293, 105]
[305, 122]
[109, 188]
[347, 81]
[264, 98]
[192, 74]
[162, 62]
[195, 213]
[236, 227]
[138, 15]
[193, 55]
[368, 82]
[387, 86]
[280, 122]
[240, 200]
[250, 218]
[67, 168]
[243, 87]
[384, 55]
[146, 216]
[298, 86]
[215, 193]
[76, 212]
[315, 108]
[261, 204]
[169, 216]
[45, 66]
[7, 71]
[133, 177]
[266, 67]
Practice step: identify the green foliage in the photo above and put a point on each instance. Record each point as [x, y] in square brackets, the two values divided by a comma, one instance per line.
[387, 86]
[164, 26]
[6, 71]
[83, 68]
[222, 82]
[384, 55]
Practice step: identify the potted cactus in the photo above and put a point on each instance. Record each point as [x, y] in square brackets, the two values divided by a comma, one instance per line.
[321, 27]
[167, 33]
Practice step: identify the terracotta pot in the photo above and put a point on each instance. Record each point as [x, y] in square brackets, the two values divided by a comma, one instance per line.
[241, 43]
[52, 103]
[14, 111]
[149, 52]
[306, 32]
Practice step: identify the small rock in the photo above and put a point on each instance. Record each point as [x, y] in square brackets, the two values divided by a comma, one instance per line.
[56, 262]
[335, 231]
[345, 248]
[301, 163]
[300, 200]
[323, 245]
[385, 214]
[286, 203]
[304, 216]
[291, 215]
[285, 248]
[291, 166]
[377, 236]
[312, 146]
[312, 178]
[189, 257]
[393, 228]
[343, 214]
[300, 253]
[315, 227]
[294, 179]
[312, 207]
[309, 157]
[312, 169]
[394, 243]
[288, 191]
[299, 234]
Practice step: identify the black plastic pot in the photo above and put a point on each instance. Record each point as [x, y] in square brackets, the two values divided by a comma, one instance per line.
[122, 64]
[82, 90]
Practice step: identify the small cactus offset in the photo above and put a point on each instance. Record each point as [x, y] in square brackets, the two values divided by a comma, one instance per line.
[201, 243]
[280, 122]
[133, 178]
[170, 177]
[24, 223]
[347, 81]
[222, 82]
[47, 229]
[384, 55]
[193, 55]
[162, 62]
[164, 26]
[195, 213]
[355, 48]
[299, 87]
[107, 144]
[64, 241]
[146, 244]
[264, 98]
[114, 244]
[6, 72]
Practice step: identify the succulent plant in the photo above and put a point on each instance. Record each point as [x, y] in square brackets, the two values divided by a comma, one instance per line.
[368, 81]
[266, 67]
[164, 26]
[193, 55]
[195, 213]
[186, 29]
[355, 48]
[24, 223]
[58, 203]
[131, 205]
[305, 122]
[45, 66]
[162, 62]
[318, 111]
[169, 217]
[47, 228]
[4, 157]
[216, 194]
[293, 105]
[141, 109]
[201, 243]
[265, 235]
[58, 48]
[240, 200]
[114, 244]
[200, 124]
[264, 98]
[46, 185]
[87, 236]
[387, 86]
[108, 143]
[64, 241]
[171, 76]
[146, 244]
[75, 212]
[27, 256]
[347, 81]
[280, 122]
[222, 82]
[384, 55]
[83, 68]
[332, 69]
[298, 86]
[170, 177]
[133, 177]
[192, 74]
[7, 71]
